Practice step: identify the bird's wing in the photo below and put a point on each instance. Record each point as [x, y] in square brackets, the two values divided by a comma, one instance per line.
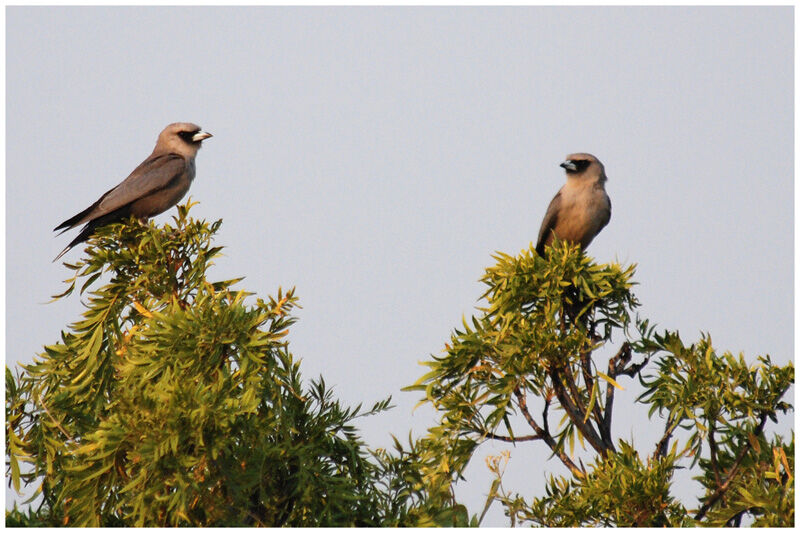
[154, 173]
[549, 222]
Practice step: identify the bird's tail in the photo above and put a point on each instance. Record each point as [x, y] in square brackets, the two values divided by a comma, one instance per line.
[84, 235]
[77, 219]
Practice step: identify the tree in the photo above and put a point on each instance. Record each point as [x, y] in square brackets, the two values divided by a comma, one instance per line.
[537, 346]
[173, 402]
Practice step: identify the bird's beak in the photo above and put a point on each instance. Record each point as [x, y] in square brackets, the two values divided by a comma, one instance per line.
[200, 135]
[568, 165]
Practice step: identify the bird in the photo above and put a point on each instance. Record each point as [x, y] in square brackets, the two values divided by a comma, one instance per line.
[581, 208]
[157, 184]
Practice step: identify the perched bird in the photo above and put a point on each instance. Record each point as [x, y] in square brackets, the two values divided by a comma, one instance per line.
[157, 184]
[581, 208]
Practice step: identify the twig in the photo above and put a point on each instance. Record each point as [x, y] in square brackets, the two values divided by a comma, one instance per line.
[506, 438]
[736, 521]
[575, 399]
[545, 436]
[545, 420]
[574, 414]
[632, 370]
[586, 361]
[722, 489]
[661, 447]
[622, 356]
[573, 389]
[712, 446]
[58, 425]
[586, 366]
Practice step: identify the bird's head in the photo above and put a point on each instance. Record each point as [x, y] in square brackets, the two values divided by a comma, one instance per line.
[183, 138]
[582, 165]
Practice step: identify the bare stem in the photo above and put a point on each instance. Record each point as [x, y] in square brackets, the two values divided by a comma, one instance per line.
[723, 488]
[506, 438]
[661, 447]
[620, 359]
[712, 446]
[574, 414]
[58, 425]
[545, 435]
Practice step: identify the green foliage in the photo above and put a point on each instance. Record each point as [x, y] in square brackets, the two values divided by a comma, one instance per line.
[763, 488]
[27, 518]
[723, 404]
[408, 497]
[548, 327]
[596, 500]
[536, 326]
[173, 402]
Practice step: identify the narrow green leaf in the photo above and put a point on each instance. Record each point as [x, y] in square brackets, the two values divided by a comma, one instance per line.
[610, 380]
[592, 399]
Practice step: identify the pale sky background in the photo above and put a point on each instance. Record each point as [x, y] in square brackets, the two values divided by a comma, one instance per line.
[376, 157]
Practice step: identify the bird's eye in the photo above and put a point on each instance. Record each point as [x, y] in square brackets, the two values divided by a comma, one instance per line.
[580, 164]
[187, 135]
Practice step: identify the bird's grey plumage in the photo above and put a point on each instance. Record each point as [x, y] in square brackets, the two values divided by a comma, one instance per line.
[157, 184]
[581, 208]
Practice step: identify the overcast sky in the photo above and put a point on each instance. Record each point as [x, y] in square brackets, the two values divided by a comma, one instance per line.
[375, 157]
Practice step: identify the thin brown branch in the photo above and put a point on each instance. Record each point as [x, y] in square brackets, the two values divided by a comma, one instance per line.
[722, 489]
[579, 407]
[574, 414]
[523, 405]
[586, 363]
[545, 435]
[622, 356]
[586, 366]
[661, 447]
[545, 411]
[633, 369]
[712, 446]
[573, 390]
[736, 521]
[38, 400]
[506, 438]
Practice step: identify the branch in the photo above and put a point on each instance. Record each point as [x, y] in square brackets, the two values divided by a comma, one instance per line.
[575, 416]
[722, 489]
[736, 521]
[573, 389]
[545, 435]
[545, 420]
[632, 370]
[623, 355]
[586, 366]
[661, 447]
[586, 360]
[589, 382]
[506, 438]
[619, 360]
[712, 446]
[38, 400]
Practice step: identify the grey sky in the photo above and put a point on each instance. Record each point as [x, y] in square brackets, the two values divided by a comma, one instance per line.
[376, 157]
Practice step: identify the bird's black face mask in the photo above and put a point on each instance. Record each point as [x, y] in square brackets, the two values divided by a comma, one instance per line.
[187, 136]
[580, 166]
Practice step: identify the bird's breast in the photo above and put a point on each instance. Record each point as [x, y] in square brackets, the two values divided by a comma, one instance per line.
[583, 212]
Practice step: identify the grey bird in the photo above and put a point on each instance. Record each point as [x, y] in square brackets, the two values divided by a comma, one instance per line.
[581, 208]
[157, 184]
